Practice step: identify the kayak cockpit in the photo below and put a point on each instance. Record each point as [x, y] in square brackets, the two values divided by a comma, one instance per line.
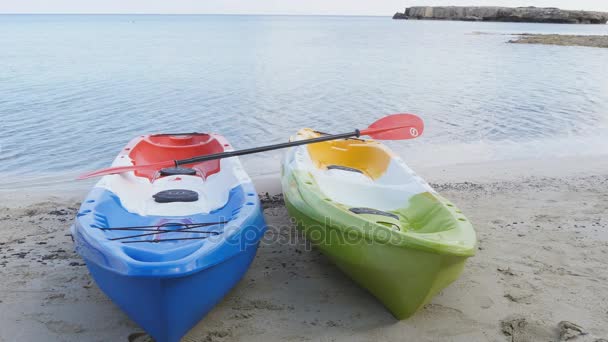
[354, 155]
[163, 215]
[157, 238]
[161, 147]
[194, 188]
[358, 173]
[374, 186]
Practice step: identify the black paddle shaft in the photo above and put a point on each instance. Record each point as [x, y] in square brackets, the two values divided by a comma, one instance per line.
[229, 154]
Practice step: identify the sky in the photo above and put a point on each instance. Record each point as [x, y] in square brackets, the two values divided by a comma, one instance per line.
[323, 7]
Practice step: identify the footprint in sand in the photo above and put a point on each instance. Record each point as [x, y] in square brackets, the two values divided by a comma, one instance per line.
[521, 329]
[485, 302]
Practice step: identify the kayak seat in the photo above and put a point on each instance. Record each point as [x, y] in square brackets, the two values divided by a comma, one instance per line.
[159, 148]
[175, 195]
[343, 168]
[175, 171]
[368, 157]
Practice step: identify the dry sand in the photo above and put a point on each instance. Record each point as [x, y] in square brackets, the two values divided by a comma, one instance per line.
[540, 273]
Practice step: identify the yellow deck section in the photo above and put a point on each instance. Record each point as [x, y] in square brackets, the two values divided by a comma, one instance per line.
[368, 156]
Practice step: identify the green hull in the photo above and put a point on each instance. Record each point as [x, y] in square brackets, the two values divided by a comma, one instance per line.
[404, 280]
[374, 218]
[404, 269]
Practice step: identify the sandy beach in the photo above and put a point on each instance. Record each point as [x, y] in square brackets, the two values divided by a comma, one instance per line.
[539, 275]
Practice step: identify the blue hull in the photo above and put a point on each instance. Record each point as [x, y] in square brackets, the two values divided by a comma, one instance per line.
[167, 287]
[167, 308]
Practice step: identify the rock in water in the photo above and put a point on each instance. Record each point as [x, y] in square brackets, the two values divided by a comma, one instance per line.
[505, 14]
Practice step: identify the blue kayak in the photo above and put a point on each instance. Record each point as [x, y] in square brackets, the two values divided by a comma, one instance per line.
[167, 245]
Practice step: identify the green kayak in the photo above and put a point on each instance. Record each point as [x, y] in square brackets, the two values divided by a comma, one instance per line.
[378, 221]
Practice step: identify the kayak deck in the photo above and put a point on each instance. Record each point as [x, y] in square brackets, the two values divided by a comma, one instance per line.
[154, 238]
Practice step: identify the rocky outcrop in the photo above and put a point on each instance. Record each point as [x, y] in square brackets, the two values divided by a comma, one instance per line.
[563, 40]
[508, 14]
[400, 15]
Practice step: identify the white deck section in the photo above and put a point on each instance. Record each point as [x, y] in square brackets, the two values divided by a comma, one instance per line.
[389, 192]
[135, 193]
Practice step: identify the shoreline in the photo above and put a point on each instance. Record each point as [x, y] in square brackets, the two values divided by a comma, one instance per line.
[479, 172]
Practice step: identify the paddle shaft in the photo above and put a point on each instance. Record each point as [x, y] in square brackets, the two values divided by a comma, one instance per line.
[229, 154]
[390, 127]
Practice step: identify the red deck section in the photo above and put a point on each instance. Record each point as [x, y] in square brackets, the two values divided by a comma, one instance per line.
[150, 149]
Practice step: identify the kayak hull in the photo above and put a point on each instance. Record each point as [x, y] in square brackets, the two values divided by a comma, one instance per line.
[403, 287]
[168, 308]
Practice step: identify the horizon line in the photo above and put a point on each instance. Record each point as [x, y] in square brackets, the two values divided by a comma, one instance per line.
[226, 14]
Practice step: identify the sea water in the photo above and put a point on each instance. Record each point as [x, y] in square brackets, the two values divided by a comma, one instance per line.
[74, 89]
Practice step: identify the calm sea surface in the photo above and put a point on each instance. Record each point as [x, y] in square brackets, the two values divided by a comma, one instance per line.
[75, 88]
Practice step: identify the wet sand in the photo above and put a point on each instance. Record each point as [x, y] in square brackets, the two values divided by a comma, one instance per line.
[540, 273]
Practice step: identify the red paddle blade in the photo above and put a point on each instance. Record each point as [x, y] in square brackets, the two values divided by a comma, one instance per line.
[395, 127]
[122, 169]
